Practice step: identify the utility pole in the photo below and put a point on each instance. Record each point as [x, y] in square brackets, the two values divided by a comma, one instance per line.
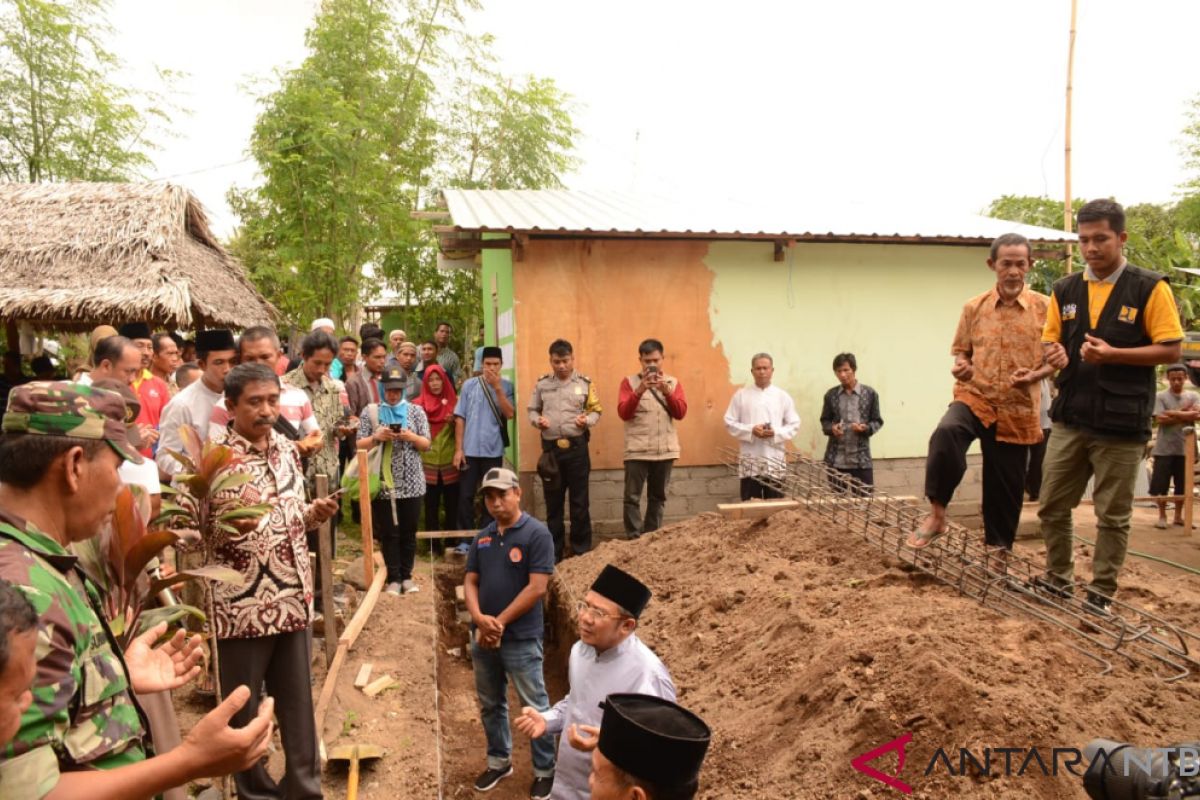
[1067, 215]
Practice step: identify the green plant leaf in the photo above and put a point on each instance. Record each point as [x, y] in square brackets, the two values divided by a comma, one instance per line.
[231, 480]
[210, 572]
[168, 614]
[245, 512]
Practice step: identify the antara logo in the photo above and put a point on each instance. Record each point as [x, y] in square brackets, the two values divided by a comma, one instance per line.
[861, 763]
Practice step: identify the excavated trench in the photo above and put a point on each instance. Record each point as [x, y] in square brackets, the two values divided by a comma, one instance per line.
[462, 742]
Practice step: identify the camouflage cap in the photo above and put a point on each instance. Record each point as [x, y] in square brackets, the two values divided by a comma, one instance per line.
[63, 408]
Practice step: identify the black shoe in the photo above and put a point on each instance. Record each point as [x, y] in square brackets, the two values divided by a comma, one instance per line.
[1098, 604]
[490, 777]
[540, 790]
[1053, 586]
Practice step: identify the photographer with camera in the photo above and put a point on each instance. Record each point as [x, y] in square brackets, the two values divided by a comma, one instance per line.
[649, 402]
[402, 430]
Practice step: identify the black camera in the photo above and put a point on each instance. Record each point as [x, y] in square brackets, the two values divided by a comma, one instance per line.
[1120, 771]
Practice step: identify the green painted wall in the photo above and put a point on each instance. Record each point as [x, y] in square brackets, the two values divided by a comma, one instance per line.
[499, 320]
[894, 306]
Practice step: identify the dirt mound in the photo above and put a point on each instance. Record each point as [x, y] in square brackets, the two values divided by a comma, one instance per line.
[804, 647]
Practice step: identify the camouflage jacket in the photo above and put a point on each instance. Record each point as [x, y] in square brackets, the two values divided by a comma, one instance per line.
[83, 713]
[327, 402]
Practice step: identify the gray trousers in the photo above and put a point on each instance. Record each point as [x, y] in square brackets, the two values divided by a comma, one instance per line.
[654, 475]
[284, 662]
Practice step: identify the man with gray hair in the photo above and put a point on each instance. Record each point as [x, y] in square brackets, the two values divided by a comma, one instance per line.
[763, 419]
[998, 367]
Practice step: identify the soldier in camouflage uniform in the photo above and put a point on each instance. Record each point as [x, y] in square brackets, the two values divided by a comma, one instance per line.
[62, 443]
[564, 408]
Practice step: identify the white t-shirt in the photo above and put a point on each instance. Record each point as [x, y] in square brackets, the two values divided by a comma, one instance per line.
[144, 475]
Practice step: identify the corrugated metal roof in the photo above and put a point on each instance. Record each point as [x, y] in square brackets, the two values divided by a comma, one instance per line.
[628, 214]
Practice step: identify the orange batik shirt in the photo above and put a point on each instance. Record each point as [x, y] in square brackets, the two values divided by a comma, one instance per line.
[999, 339]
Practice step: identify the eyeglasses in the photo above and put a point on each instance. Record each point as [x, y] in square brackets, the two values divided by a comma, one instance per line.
[595, 613]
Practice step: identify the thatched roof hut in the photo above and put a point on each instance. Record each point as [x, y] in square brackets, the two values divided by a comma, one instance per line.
[73, 255]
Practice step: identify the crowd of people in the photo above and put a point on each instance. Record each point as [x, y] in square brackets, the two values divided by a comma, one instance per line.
[436, 429]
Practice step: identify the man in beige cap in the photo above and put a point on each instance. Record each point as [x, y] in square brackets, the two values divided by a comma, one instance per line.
[509, 565]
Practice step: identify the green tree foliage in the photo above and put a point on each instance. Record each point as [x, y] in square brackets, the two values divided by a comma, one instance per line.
[394, 102]
[1045, 213]
[341, 144]
[61, 116]
[1158, 239]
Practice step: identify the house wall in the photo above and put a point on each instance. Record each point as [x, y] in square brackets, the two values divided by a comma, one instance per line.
[715, 304]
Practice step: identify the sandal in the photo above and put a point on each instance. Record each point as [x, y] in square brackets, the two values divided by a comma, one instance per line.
[921, 538]
[1161, 524]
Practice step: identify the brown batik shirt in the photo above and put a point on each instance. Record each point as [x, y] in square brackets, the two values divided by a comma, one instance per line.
[1000, 338]
[277, 594]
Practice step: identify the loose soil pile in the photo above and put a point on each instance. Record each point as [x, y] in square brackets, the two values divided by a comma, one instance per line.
[804, 647]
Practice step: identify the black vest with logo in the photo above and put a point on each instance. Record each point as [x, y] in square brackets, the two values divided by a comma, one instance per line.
[1108, 399]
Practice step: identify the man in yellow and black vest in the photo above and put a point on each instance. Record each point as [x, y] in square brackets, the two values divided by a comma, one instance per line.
[1106, 330]
[649, 402]
[564, 408]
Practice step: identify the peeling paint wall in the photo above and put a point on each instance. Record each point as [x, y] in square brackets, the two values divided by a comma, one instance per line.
[715, 304]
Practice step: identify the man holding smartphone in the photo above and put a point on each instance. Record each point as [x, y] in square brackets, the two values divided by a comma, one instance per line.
[649, 402]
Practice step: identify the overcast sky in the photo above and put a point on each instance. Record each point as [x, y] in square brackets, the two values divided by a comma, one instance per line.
[938, 104]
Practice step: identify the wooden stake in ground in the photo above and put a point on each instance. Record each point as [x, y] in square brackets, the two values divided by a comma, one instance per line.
[325, 574]
[364, 505]
[1189, 476]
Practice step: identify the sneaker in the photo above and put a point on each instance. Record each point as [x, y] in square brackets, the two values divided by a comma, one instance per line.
[540, 790]
[394, 588]
[490, 777]
[409, 586]
[1098, 604]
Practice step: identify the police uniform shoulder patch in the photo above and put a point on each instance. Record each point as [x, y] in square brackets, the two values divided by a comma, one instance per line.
[547, 375]
[583, 377]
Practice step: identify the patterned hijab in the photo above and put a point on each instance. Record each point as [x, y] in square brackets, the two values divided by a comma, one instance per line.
[438, 408]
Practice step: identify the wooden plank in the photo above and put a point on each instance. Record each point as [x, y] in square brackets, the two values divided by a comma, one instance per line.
[755, 509]
[325, 574]
[364, 506]
[378, 685]
[343, 647]
[355, 626]
[446, 534]
[330, 685]
[364, 675]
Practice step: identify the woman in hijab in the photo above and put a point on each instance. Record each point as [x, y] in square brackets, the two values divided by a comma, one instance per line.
[438, 399]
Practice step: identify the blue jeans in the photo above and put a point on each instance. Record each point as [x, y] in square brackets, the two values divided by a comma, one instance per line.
[521, 660]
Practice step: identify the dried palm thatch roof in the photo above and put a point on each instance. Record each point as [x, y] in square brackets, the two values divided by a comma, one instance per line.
[73, 255]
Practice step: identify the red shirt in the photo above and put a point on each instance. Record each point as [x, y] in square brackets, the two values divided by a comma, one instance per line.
[627, 401]
[154, 394]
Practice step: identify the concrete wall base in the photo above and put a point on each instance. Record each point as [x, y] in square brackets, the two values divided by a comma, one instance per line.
[695, 490]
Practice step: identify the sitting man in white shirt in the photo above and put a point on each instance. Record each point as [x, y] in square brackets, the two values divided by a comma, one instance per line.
[609, 658]
[763, 419]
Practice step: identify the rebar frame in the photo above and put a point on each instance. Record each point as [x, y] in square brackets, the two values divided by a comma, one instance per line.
[1003, 581]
